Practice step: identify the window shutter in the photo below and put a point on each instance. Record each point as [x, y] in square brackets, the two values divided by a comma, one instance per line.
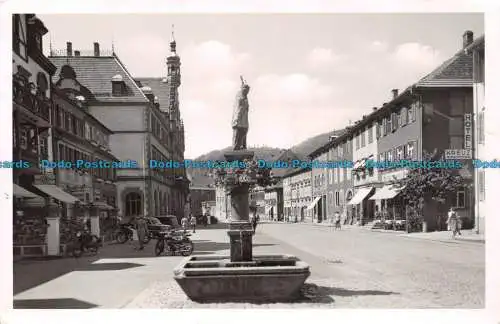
[480, 127]
[394, 118]
[482, 184]
[404, 116]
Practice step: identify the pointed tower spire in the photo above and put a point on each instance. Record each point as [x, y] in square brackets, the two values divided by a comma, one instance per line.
[172, 41]
[112, 45]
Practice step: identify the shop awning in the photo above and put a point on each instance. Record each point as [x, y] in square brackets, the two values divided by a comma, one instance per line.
[386, 192]
[359, 196]
[57, 193]
[315, 201]
[102, 205]
[20, 192]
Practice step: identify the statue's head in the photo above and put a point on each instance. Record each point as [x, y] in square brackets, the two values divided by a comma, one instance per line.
[245, 88]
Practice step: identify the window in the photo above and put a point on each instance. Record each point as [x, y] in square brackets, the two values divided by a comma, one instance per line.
[460, 199]
[117, 89]
[480, 127]
[330, 198]
[394, 122]
[38, 41]
[381, 157]
[378, 126]
[19, 37]
[334, 175]
[411, 114]
[410, 151]
[74, 126]
[330, 176]
[456, 125]
[42, 84]
[348, 174]
[342, 174]
[357, 141]
[404, 116]
[384, 126]
[400, 153]
[23, 138]
[363, 138]
[370, 172]
[133, 204]
[456, 142]
[87, 131]
[370, 134]
[389, 156]
[340, 152]
[338, 175]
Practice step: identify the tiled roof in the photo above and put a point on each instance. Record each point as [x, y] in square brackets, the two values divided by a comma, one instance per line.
[455, 72]
[95, 73]
[160, 88]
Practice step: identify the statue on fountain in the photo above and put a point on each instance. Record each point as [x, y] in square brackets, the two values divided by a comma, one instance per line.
[240, 117]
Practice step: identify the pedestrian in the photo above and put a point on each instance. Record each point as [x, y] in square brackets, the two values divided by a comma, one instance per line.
[452, 222]
[142, 231]
[337, 220]
[184, 223]
[332, 222]
[254, 223]
[193, 223]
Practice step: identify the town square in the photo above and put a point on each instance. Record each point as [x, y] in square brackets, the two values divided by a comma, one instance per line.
[166, 165]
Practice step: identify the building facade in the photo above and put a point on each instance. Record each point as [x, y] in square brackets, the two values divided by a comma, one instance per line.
[477, 49]
[274, 202]
[79, 138]
[35, 211]
[319, 178]
[297, 196]
[199, 195]
[222, 205]
[144, 127]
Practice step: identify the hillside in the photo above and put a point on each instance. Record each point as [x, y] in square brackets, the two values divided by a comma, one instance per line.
[311, 144]
[199, 177]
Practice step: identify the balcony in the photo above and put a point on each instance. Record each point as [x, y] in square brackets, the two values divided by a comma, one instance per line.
[35, 107]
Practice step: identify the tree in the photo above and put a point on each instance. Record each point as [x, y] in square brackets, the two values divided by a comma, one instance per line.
[422, 184]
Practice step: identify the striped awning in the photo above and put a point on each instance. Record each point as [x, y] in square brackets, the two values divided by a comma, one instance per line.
[57, 193]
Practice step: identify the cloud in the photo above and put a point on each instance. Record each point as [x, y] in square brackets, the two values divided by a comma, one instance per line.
[416, 53]
[322, 57]
[285, 108]
[378, 46]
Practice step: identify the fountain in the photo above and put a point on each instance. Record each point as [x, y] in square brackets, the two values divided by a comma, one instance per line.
[241, 276]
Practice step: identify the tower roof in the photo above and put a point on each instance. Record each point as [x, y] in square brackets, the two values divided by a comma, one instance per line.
[173, 44]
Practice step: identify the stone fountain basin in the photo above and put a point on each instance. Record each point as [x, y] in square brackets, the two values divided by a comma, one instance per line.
[267, 278]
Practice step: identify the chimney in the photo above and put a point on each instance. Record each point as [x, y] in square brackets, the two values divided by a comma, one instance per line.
[374, 108]
[69, 49]
[385, 103]
[96, 49]
[394, 93]
[77, 53]
[468, 38]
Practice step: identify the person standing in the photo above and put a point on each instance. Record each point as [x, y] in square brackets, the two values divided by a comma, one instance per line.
[254, 222]
[193, 223]
[337, 220]
[142, 231]
[184, 223]
[452, 222]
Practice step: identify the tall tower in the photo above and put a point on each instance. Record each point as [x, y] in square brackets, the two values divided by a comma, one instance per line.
[174, 81]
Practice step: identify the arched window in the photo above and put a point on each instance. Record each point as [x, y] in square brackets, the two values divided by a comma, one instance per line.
[133, 204]
[42, 84]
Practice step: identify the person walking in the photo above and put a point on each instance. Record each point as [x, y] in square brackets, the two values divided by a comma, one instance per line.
[142, 231]
[193, 223]
[184, 223]
[452, 222]
[337, 220]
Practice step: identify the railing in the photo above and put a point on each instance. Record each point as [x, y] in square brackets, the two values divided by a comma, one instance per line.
[22, 95]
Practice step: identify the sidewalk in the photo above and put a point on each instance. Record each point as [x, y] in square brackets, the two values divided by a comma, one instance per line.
[445, 236]
[441, 236]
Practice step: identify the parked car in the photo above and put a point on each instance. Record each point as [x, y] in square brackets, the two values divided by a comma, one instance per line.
[169, 220]
[156, 226]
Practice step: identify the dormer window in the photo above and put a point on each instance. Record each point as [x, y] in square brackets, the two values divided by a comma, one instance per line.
[38, 41]
[118, 86]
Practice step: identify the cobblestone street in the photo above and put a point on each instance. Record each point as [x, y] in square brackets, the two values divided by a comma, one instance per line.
[350, 268]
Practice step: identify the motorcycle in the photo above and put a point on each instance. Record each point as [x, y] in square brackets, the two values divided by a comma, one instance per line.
[126, 233]
[174, 243]
[85, 242]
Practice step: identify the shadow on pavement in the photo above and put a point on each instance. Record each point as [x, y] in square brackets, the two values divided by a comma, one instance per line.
[56, 303]
[109, 266]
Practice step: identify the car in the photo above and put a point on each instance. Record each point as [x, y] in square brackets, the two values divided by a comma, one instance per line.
[169, 220]
[155, 226]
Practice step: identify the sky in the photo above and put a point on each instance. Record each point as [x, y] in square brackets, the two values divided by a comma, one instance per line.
[308, 73]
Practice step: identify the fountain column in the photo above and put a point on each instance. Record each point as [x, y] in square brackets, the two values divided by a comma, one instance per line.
[240, 229]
